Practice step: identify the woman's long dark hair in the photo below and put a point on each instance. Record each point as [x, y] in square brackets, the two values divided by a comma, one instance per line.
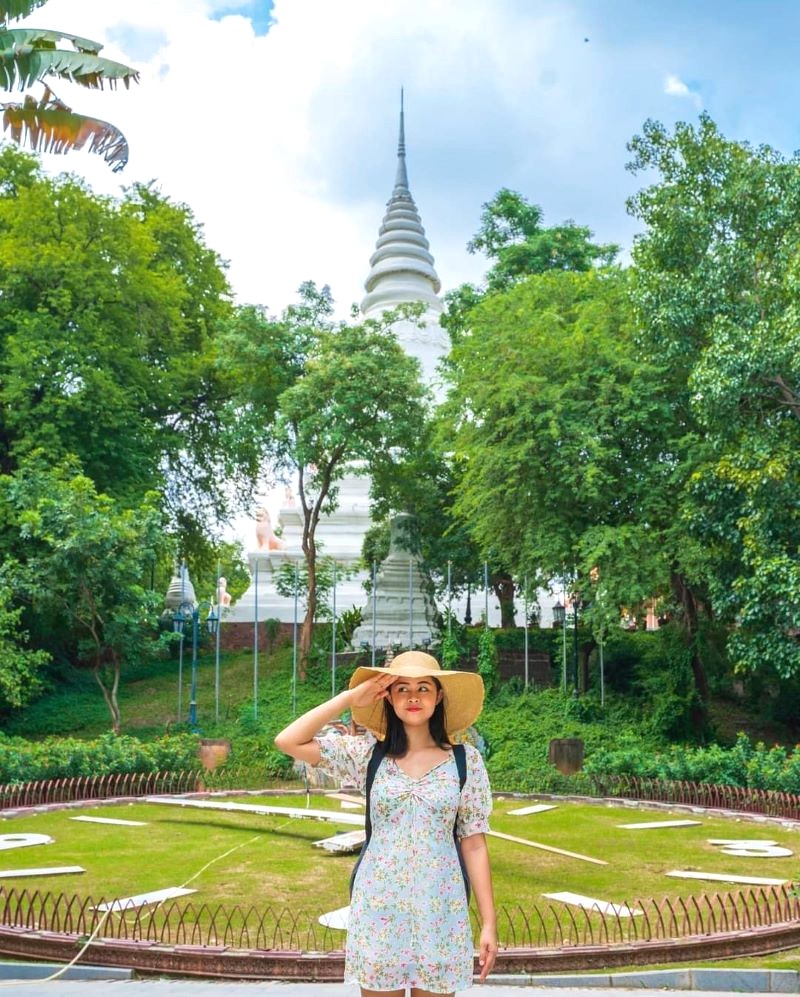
[396, 742]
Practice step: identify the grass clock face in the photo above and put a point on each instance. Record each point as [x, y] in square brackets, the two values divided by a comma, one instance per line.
[257, 859]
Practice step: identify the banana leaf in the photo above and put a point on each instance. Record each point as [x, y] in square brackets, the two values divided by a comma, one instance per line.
[11, 38]
[51, 126]
[12, 9]
[23, 65]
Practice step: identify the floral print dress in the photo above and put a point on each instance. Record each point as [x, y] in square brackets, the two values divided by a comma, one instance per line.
[409, 922]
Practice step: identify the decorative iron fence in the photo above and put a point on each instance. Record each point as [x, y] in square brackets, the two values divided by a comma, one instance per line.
[128, 784]
[700, 794]
[283, 930]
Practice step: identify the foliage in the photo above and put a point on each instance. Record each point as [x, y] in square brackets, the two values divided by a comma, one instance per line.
[349, 620]
[512, 236]
[487, 660]
[556, 437]
[20, 666]
[518, 730]
[755, 766]
[107, 343]
[86, 561]
[292, 579]
[359, 399]
[715, 286]
[68, 758]
[450, 651]
[32, 55]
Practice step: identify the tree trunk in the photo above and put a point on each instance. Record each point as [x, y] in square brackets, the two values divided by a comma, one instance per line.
[110, 693]
[307, 629]
[503, 587]
[688, 617]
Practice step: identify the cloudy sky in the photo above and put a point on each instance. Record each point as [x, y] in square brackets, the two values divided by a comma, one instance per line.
[276, 121]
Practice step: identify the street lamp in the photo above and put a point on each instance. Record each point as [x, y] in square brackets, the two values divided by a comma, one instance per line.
[559, 614]
[185, 612]
[577, 605]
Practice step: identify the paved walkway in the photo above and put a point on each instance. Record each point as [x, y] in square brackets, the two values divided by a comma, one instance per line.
[29, 979]
[182, 988]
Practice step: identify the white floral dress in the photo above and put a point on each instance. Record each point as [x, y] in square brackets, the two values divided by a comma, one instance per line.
[409, 923]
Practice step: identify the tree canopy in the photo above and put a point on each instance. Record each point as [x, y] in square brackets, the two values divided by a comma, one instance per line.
[108, 324]
[85, 563]
[715, 288]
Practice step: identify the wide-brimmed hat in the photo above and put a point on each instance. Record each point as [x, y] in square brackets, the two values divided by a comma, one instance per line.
[463, 691]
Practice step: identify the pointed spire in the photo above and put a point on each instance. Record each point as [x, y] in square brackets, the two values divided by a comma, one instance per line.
[401, 268]
[401, 179]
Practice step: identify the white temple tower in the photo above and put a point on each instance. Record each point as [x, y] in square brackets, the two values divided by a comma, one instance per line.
[401, 272]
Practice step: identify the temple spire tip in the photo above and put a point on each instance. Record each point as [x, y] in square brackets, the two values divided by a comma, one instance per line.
[401, 179]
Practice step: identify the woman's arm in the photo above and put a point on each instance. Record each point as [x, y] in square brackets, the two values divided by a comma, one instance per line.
[476, 858]
[297, 740]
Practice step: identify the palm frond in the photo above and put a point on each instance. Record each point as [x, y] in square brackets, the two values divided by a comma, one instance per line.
[50, 126]
[10, 10]
[11, 38]
[23, 65]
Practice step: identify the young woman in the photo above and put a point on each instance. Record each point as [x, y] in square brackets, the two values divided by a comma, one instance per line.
[409, 922]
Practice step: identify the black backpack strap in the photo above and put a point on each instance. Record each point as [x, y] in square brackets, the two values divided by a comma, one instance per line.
[460, 755]
[375, 759]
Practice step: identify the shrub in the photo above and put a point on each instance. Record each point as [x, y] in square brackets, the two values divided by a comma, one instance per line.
[745, 764]
[110, 754]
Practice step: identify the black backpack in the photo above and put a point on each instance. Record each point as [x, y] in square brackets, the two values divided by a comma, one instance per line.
[377, 756]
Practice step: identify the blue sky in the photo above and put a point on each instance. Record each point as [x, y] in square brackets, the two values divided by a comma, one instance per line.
[259, 12]
[276, 122]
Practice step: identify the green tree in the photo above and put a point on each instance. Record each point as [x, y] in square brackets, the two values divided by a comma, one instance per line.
[87, 561]
[563, 465]
[109, 321]
[422, 486]
[518, 245]
[31, 56]
[716, 282]
[358, 399]
[20, 665]
[512, 236]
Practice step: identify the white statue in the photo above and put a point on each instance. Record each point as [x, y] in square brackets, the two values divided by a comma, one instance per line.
[265, 536]
[223, 597]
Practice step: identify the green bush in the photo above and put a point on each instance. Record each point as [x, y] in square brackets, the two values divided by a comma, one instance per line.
[754, 766]
[518, 728]
[110, 754]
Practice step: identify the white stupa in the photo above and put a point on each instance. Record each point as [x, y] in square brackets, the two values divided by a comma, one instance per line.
[401, 271]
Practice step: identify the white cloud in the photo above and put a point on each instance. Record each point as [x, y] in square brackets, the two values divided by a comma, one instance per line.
[675, 87]
[283, 143]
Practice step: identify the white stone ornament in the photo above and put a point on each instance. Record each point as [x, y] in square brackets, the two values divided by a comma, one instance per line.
[336, 918]
[751, 848]
[590, 904]
[9, 841]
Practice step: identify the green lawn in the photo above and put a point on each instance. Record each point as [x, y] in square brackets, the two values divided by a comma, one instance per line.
[274, 863]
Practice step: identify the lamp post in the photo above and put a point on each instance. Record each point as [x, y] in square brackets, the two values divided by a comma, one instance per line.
[577, 605]
[559, 618]
[575, 601]
[185, 612]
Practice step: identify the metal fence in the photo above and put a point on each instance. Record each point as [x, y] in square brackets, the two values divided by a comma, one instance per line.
[283, 930]
[700, 794]
[128, 784]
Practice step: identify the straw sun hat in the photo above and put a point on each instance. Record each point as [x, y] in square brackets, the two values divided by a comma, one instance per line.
[463, 692]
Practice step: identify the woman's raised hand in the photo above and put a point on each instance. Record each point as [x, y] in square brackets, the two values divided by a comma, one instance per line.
[371, 691]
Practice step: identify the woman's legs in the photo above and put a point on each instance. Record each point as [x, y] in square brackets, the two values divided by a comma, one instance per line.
[415, 992]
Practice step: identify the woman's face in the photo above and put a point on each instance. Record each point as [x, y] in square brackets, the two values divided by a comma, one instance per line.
[414, 700]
